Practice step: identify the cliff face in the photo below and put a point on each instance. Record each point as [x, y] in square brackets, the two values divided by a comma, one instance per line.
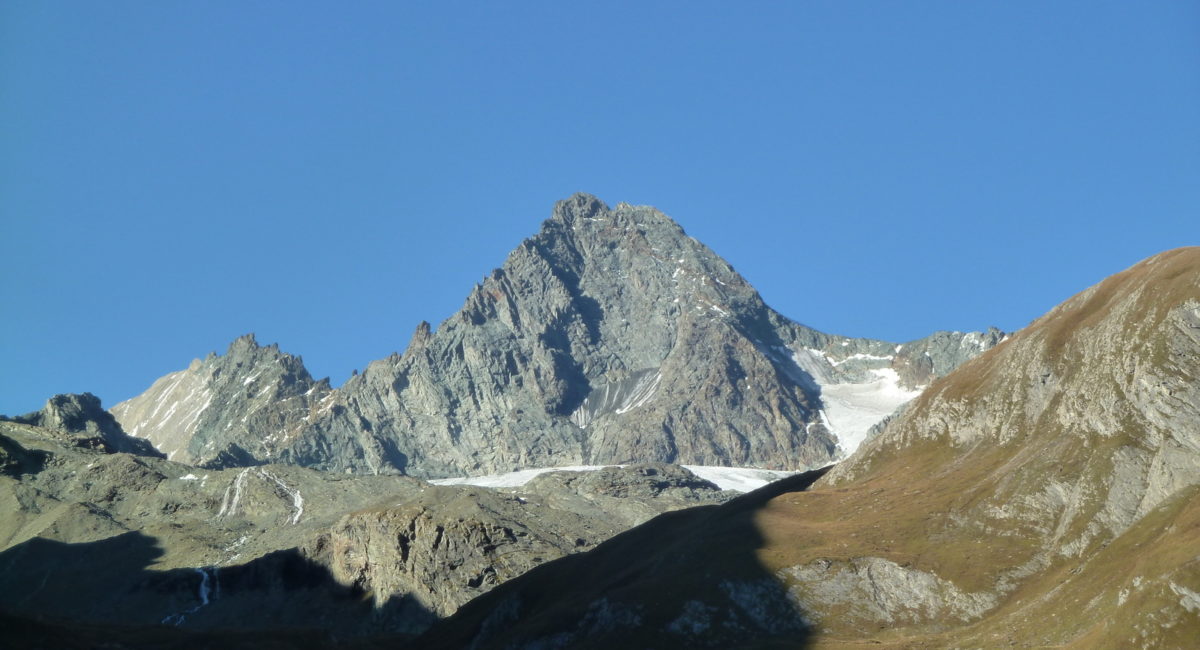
[235, 409]
[1042, 494]
[609, 337]
[448, 545]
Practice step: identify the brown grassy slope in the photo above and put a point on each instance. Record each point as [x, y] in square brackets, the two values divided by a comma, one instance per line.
[1052, 474]
[963, 485]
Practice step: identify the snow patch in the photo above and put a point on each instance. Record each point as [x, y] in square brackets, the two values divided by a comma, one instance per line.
[297, 499]
[617, 397]
[852, 409]
[860, 356]
[514, 479]
[738, 479]
[1189, 599]
[233, 494]
[642, 392]
[235, 487]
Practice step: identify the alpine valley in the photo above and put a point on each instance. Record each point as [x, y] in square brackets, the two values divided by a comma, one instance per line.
[546, 470]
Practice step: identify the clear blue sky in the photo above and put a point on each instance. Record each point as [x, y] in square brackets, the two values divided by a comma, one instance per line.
[327, 175]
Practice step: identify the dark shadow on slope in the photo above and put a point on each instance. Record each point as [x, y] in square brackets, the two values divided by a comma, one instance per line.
[68, 589]
[392, 454]
[686, 579]
[233, 455]
[16, 460]
[40, 633]
[761, 327]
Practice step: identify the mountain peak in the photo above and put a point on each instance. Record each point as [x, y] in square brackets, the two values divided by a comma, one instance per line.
[245, 342]
[1053, 478]
[609, 336]
[578, 206]
[223, 396]
[587, 218]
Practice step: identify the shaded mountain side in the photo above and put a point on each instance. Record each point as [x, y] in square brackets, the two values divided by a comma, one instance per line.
[91, 537]
[610, 336]
[41, 633]
[1043, 494]
[452, 544]
[685, 579]
[115, 580]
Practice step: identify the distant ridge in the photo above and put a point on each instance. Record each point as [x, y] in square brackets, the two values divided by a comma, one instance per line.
[610, 336]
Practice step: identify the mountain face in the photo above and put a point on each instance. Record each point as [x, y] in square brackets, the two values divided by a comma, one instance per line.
[216, 410]
[1046, 493]
[609, 337]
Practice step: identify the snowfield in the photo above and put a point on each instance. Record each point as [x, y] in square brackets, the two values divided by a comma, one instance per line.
[852, 409]
[738, 479]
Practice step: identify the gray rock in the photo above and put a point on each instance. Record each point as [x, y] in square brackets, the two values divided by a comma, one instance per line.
[91, 425]
[628, 496]
[609, 337]
[875, 591]
[1043, 494]
[275, 546]
[231, 410]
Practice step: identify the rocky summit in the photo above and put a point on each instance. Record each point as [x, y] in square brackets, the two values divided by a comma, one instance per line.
[1044, 494]
[608, 337]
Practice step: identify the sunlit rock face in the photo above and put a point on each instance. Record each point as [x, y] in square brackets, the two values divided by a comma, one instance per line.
[610, 336]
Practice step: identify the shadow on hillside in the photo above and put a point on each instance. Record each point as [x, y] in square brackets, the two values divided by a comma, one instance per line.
[16, 460]
[690, 578]
[68, 595]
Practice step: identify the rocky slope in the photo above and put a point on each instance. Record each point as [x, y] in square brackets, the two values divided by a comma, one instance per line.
[609, 337]
[81, 421]
[1043, 494]
[90, 536]
[228, 410]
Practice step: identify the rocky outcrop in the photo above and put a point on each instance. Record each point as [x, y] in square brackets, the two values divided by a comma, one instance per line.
[876, 589]
[1042, 494]
[608, 337]
[90, 425]
[625, 496]
[447, 545]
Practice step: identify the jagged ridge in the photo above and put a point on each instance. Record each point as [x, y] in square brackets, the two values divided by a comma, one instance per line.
[609, 337]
